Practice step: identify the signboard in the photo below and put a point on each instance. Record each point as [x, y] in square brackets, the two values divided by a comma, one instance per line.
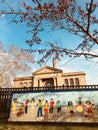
[55, 106]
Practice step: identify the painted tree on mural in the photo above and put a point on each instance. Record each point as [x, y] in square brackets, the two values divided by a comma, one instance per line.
[68, 15]
[13, 62]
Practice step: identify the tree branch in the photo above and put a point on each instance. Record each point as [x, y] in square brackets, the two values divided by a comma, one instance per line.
[89, 15]
[82, 28]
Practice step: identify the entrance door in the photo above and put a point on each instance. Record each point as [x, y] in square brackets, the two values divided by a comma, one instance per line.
[48, 82]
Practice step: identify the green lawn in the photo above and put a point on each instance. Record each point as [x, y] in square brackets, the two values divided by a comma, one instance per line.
[4, 126]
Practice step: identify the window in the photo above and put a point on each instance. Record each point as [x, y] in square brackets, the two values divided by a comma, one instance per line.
[21, 84]
[25, 84]
[66, 82]
[71, 82]
[76, 81]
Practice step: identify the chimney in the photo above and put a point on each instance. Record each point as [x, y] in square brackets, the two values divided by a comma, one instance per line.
[54, 62]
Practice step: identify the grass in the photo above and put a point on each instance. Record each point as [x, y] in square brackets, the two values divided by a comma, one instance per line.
[4, 126]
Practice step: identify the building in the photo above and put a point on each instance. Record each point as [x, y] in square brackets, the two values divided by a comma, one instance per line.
[51, 76]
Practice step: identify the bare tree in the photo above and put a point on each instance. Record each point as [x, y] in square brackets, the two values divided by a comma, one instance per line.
[13, 61]
[68, 15]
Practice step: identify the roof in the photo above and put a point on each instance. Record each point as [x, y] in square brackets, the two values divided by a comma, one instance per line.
[73, 73]
[47, 70]
[23, 78]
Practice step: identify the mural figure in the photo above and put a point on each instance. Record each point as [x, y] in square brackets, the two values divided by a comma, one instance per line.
[14, 108]
[39, 112]
[89, 110]
[79, 105]
[21, 110]
[58, 105]
[46, 109]
[51, 109]
[33, 104]
[93, 104]
[71, 110]
[26, 106]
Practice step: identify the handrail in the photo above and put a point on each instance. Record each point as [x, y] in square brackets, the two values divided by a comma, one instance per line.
[78, 87]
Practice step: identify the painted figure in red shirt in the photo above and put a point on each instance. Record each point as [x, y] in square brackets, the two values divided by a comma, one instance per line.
[51, 106]
[26, 106]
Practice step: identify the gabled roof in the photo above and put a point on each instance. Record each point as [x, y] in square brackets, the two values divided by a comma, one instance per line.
[47, 70]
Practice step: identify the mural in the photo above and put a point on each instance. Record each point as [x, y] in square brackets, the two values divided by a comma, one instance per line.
[73, 106]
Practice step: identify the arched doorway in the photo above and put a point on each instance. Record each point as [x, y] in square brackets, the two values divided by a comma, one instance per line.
[48, 82]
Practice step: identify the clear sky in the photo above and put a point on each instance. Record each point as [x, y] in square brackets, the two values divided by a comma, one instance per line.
[11, 33]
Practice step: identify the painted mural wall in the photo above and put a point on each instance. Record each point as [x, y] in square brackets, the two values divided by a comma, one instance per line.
[55, 106]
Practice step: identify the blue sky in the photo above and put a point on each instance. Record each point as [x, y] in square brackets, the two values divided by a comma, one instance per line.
[11, 33]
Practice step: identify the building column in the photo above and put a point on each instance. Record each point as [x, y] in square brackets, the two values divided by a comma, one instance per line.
[55, 81]
[35, 81]
[40, 83]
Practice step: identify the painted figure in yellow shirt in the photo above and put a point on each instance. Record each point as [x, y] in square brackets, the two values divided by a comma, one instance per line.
[39, 112]
[14, 109]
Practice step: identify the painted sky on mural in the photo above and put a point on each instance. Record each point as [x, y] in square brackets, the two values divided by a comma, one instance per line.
[11, 33]
[64, 97]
